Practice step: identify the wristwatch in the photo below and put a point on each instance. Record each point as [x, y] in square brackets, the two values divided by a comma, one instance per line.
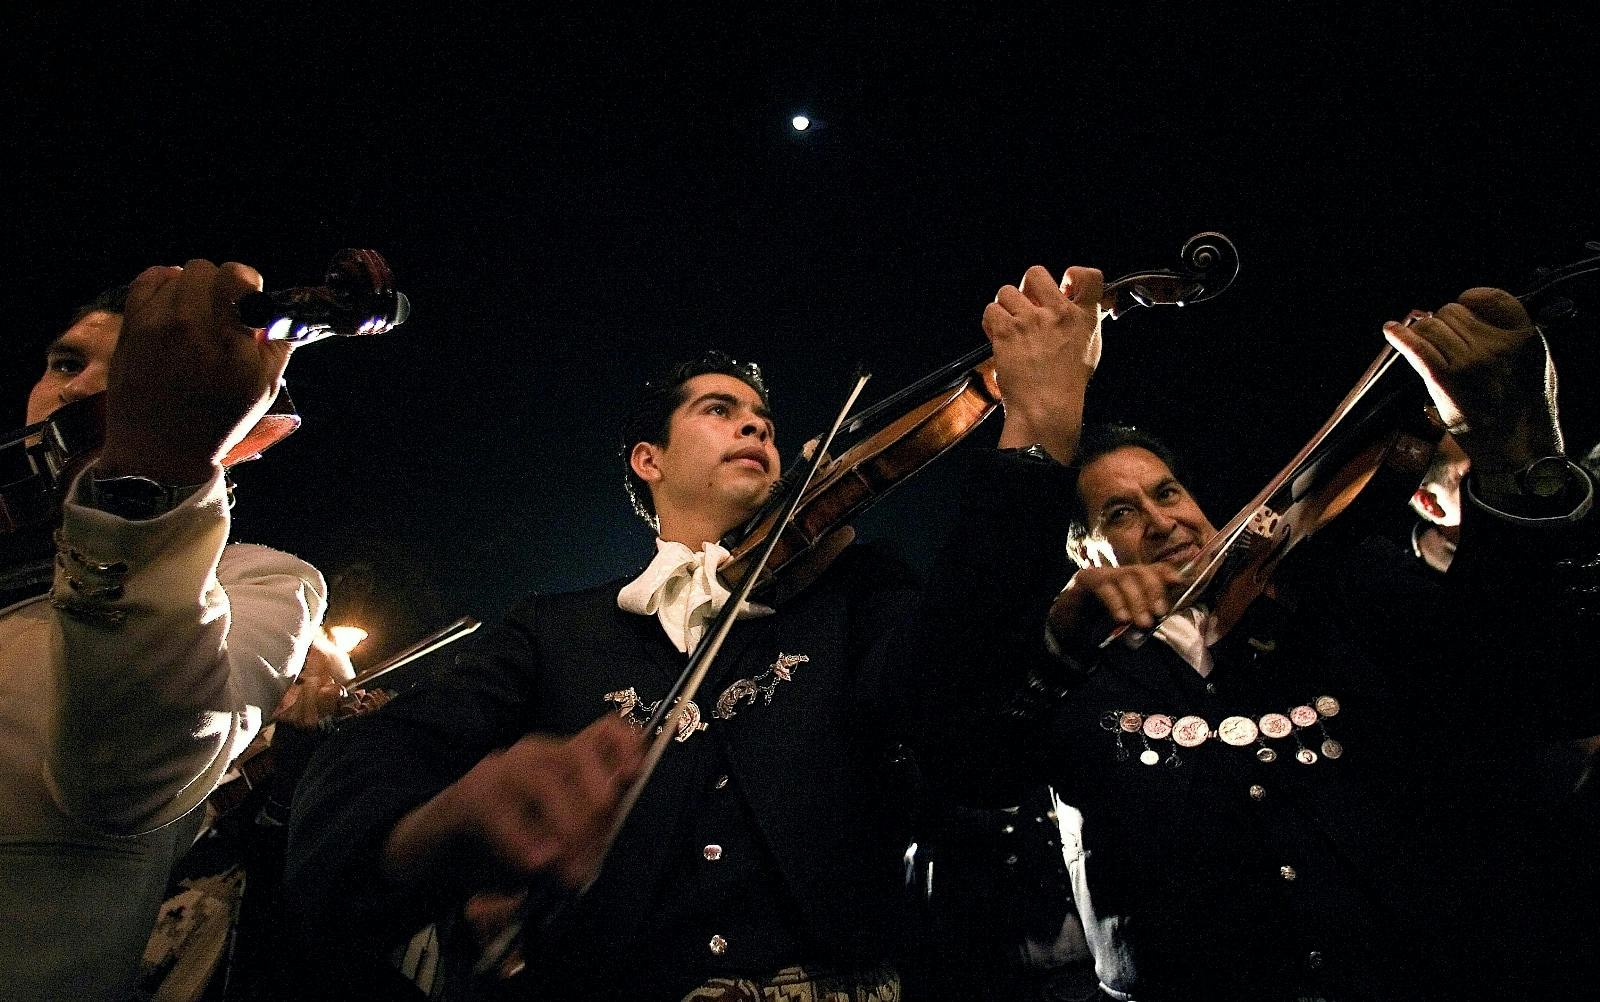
[1544, 479]
[137, 498]
[1036, 452]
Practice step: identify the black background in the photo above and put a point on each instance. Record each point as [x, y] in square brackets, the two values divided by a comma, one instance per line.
[572, 197]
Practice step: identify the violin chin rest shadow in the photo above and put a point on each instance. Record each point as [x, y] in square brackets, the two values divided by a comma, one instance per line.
[800, 574]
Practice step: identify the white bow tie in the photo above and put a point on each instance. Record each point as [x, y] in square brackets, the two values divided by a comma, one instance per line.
[680, 588]
[1191, 632]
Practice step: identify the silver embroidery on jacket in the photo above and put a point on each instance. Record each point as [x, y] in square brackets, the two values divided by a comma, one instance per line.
[763, 685]
[638, 714]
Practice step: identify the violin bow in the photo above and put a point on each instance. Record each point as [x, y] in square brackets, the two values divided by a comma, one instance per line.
[462, 627]
[669, 713]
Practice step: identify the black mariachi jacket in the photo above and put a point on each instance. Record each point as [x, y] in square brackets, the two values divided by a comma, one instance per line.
[813, 768]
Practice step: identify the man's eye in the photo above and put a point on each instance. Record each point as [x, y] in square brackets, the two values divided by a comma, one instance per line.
[66, 365]
[1117, 515]
[718, 409]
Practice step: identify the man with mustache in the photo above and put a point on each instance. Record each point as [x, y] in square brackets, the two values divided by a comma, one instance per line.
[764, 858]
[1289, 811]
[140, 653]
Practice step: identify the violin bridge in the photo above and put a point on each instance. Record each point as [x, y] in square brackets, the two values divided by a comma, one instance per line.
[1263, 523]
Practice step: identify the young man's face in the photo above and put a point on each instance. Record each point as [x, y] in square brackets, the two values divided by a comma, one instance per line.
[1135, 504]
[76, 364]
[720, 457]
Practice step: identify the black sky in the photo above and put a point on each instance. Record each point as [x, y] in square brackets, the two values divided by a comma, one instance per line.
[571, 198]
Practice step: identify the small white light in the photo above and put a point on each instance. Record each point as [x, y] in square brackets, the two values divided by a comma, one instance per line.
[800, 122]
[347, 638]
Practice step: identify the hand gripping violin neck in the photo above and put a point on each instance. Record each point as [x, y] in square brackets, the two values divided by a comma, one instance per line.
[906, 431]
[39, 461]
[357, 298]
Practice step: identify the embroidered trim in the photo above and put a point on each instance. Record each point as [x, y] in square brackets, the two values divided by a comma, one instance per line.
[110, 568]
[89, 580]
[629, 708]
[99, 615]
[636, 712]
[763, 685]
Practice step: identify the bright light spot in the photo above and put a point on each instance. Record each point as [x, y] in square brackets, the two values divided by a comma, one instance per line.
[347, 638]
[800, 122]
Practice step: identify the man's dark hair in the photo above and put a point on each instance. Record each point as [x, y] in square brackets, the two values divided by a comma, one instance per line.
[1093, 442]
[650, 417]
[112, 300]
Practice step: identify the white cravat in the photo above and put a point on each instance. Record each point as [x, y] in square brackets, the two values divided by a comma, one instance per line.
[1189, 633]
[680, 588]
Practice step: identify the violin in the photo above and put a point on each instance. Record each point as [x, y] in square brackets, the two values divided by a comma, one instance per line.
[256, 766]
[906, 431]
[357, 298]
[1382, 421]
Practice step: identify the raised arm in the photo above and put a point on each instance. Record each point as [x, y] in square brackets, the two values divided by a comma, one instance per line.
[167, 654]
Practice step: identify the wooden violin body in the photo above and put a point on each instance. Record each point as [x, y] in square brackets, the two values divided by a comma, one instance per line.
[1381, 421]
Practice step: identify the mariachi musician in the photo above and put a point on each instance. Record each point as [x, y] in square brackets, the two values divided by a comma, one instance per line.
[761, 860]
[1294, 808]
[143, 652]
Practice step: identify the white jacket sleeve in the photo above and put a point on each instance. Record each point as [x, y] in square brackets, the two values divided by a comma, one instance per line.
[169, 651]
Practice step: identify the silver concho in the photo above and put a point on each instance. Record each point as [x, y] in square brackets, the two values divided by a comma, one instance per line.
[1266, 754]
[1332, 748]
[1276, 725]
[1306, 756]
[1149, 756]
[1237, 731]
[1303, 716]
[1191, 732]
[1327, 706]
[1157, 726]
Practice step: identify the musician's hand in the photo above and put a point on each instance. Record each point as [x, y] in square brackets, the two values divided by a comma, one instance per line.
[188, 380]
[488, 914]
[1046, 345]
[1489, 375]
[318, 688]
[1138, 594]
[547, 804]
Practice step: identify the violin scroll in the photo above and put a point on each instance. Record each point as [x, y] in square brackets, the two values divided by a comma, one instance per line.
[1545, 279]
[1207, 265]
[358, 297]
